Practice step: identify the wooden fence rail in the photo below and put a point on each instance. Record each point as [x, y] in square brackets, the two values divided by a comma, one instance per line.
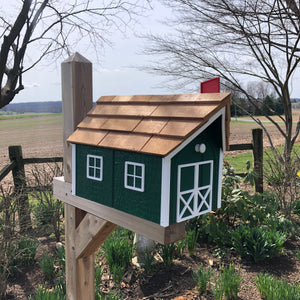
[16, 166]
[257, 147]
[17, 161]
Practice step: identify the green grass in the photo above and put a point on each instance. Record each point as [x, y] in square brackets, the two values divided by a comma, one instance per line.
[238, 161]
[27, 115]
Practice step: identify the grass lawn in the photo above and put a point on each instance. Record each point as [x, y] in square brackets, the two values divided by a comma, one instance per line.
[17, 116]
[238, 161]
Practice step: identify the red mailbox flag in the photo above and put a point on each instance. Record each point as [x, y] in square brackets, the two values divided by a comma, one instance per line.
[211, 86]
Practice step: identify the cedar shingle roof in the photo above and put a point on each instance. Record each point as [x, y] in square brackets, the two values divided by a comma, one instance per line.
[148, 124]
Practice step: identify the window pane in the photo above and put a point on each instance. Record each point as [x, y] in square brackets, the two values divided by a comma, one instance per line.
[91, 172]
[130, 181]
[187, 178]
[130, 169]
[91, 161]
[98, 161]
[138, 182]
[97, 173]
[138, 171]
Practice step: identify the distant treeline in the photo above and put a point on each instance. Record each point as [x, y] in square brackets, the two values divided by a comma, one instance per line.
[34, 107]
[267, 107]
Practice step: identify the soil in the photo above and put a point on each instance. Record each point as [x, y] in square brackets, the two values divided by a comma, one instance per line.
[175, 282]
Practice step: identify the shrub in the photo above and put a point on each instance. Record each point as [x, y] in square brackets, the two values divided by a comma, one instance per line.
[43, 293]
[278, 222]
[47, 266]
[218, 289]
[118, 252]
[191, 239]
[202, 279]
[8, 205]
[112, 295]
[296, 208]
[298, 254]
[231, 281]
[273, 289]
[257, 243]
[180, 246]
[48, 210]
[227, 283]
[148, 260]
[42, 214]
[167, 253]
[98, 276]
[59, 279]
[23, 252]
[211, 228]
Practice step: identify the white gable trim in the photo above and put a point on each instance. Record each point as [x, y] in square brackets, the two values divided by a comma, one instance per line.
[165, 192]
[220, 178]
[73, 169]
[166, 168]
[195, 134]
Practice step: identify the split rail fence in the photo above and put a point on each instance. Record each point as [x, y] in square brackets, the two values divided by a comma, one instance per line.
[17, 162]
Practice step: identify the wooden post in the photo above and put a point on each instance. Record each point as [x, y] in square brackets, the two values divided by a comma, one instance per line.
[18, 172]
[83, 230]
[257, 137]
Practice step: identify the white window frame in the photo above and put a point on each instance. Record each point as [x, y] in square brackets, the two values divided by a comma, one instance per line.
[134, 176]
[88, 166]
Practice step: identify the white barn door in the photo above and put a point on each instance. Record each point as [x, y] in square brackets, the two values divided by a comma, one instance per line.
[194, 189]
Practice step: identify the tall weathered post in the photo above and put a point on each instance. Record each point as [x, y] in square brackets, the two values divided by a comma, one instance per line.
[18, 172]
[257, 138]
[82, 229]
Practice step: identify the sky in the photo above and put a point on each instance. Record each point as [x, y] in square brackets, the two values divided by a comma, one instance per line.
[114, 74]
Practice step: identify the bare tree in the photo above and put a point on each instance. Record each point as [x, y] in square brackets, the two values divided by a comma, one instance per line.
[239, 41]
[54, 27]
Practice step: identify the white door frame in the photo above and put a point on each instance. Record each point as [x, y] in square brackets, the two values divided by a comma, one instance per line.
[195, 193]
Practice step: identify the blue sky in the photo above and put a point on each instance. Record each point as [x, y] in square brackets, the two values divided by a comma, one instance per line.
[114, 74]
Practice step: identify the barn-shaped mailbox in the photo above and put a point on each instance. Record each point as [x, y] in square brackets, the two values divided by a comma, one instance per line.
[156, 157]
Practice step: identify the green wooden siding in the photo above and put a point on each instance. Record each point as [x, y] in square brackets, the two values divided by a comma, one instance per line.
[111, 190]
[212, 138]
[145, 205]
[98, 191]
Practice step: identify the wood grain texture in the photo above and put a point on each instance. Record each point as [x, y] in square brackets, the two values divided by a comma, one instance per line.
[80, 234]
[91, 234]
[140, 122]
[77, 100]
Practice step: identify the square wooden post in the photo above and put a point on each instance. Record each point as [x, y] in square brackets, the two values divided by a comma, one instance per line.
[84, 232]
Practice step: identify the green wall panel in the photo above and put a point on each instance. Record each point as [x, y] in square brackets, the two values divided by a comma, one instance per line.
[145, 204]
[111, 190]
[98, 191]
[212, 138]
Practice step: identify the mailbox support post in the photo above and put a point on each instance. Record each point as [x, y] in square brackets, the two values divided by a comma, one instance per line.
[84, 232]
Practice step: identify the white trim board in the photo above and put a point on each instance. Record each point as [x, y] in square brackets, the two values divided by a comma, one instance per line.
[165, 192]
[73, 169]
[166, 167]
[220, 179]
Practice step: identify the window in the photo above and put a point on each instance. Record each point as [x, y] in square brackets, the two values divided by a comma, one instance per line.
[134, 176]
[94, 167]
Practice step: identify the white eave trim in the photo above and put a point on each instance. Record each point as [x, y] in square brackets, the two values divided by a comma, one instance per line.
[166, 168]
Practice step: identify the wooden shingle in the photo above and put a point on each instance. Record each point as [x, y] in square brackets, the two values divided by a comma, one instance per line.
[154, 124]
